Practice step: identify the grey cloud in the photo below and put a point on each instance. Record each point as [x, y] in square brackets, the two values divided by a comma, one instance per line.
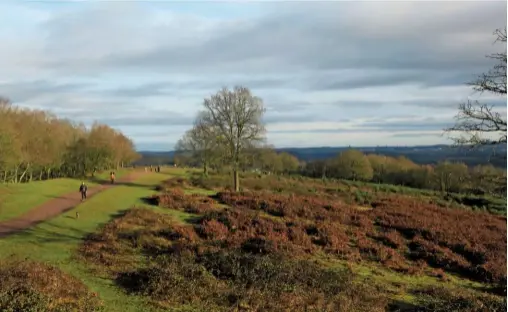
[311, 38]
[144, 90]
[28, 90]
[384, 78]
[413, 135]
[278, 105]
[426, 124]
[359, 104]
[276, 43]
[447, 104]
[300, 117]
[373, 126]
[299, 111]
[155, 119]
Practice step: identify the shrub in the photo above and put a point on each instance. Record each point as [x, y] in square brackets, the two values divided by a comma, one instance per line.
[32, 286]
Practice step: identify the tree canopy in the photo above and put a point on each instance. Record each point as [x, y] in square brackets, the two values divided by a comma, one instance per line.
[234, 120]
[37, 145]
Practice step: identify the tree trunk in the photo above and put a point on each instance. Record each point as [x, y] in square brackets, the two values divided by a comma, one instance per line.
[16, 174]
[236, 180]
[205, 168]
[23, 175]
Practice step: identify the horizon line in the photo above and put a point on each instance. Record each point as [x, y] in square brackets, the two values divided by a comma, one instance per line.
[351, 146]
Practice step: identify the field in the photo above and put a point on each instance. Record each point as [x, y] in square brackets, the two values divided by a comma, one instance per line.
[177, 241]
[16, 199]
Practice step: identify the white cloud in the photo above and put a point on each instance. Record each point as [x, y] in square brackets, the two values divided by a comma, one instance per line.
[320, 67]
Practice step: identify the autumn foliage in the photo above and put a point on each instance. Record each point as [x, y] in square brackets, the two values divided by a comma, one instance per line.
[36, 145]
[445, 176]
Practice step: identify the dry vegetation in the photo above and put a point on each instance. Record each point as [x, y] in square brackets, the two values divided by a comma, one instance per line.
[31, 286]
[351, 192]
[261, 253]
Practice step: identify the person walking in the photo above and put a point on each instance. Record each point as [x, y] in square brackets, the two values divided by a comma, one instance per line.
[82, 189]
[112, 176]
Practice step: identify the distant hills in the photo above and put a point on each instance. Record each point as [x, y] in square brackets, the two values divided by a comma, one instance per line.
[430, 154]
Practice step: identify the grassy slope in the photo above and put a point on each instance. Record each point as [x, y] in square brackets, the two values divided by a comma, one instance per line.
[54, 241]
[16, 199]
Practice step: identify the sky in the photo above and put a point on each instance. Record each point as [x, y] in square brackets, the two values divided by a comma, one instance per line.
[332, 73]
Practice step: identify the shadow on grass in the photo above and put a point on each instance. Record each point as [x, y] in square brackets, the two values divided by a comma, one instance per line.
[100, 181]
[149, 200]
[401, 306]
[53, 233]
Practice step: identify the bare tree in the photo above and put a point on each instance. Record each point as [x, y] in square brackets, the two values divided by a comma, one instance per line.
[200, 141]
[236, 114]
[477, 123]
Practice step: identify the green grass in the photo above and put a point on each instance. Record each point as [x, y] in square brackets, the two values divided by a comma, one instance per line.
[399, 285]
[56, 240]
[17, 199]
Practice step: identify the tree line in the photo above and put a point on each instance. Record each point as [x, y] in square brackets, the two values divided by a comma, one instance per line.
[263, 159]
[37, 145]
[449, 177]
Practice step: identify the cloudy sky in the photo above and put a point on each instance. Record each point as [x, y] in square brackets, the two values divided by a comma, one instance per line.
[330, 73]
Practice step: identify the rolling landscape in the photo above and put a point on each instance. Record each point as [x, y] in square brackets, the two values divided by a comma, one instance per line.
[175, 167]
[428, 154]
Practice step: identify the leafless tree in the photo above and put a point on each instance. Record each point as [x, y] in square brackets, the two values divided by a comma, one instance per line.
[236, 114]
[200, 141]
[478, 124]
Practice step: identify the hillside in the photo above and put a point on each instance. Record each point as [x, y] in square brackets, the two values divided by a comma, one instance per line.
[419, 154]
[180, 241]
[298, 244]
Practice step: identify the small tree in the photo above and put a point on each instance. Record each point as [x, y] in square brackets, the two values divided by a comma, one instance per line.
[353, 165]
[451, 177]
[290, 163]
[200, 141]
[475, 120]
[487, 179]
[237, 117]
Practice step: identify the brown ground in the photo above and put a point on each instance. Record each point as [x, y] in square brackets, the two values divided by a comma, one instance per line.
[57, 206]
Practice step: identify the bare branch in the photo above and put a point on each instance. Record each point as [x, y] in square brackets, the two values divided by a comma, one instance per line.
[236, 116]
[478, 124]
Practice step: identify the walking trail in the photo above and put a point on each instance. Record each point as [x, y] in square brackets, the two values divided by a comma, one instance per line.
[56, 206]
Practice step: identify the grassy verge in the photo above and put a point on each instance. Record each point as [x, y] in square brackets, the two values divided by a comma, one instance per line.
[17, 199]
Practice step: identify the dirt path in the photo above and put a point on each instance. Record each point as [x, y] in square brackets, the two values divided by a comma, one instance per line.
[57, 206]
